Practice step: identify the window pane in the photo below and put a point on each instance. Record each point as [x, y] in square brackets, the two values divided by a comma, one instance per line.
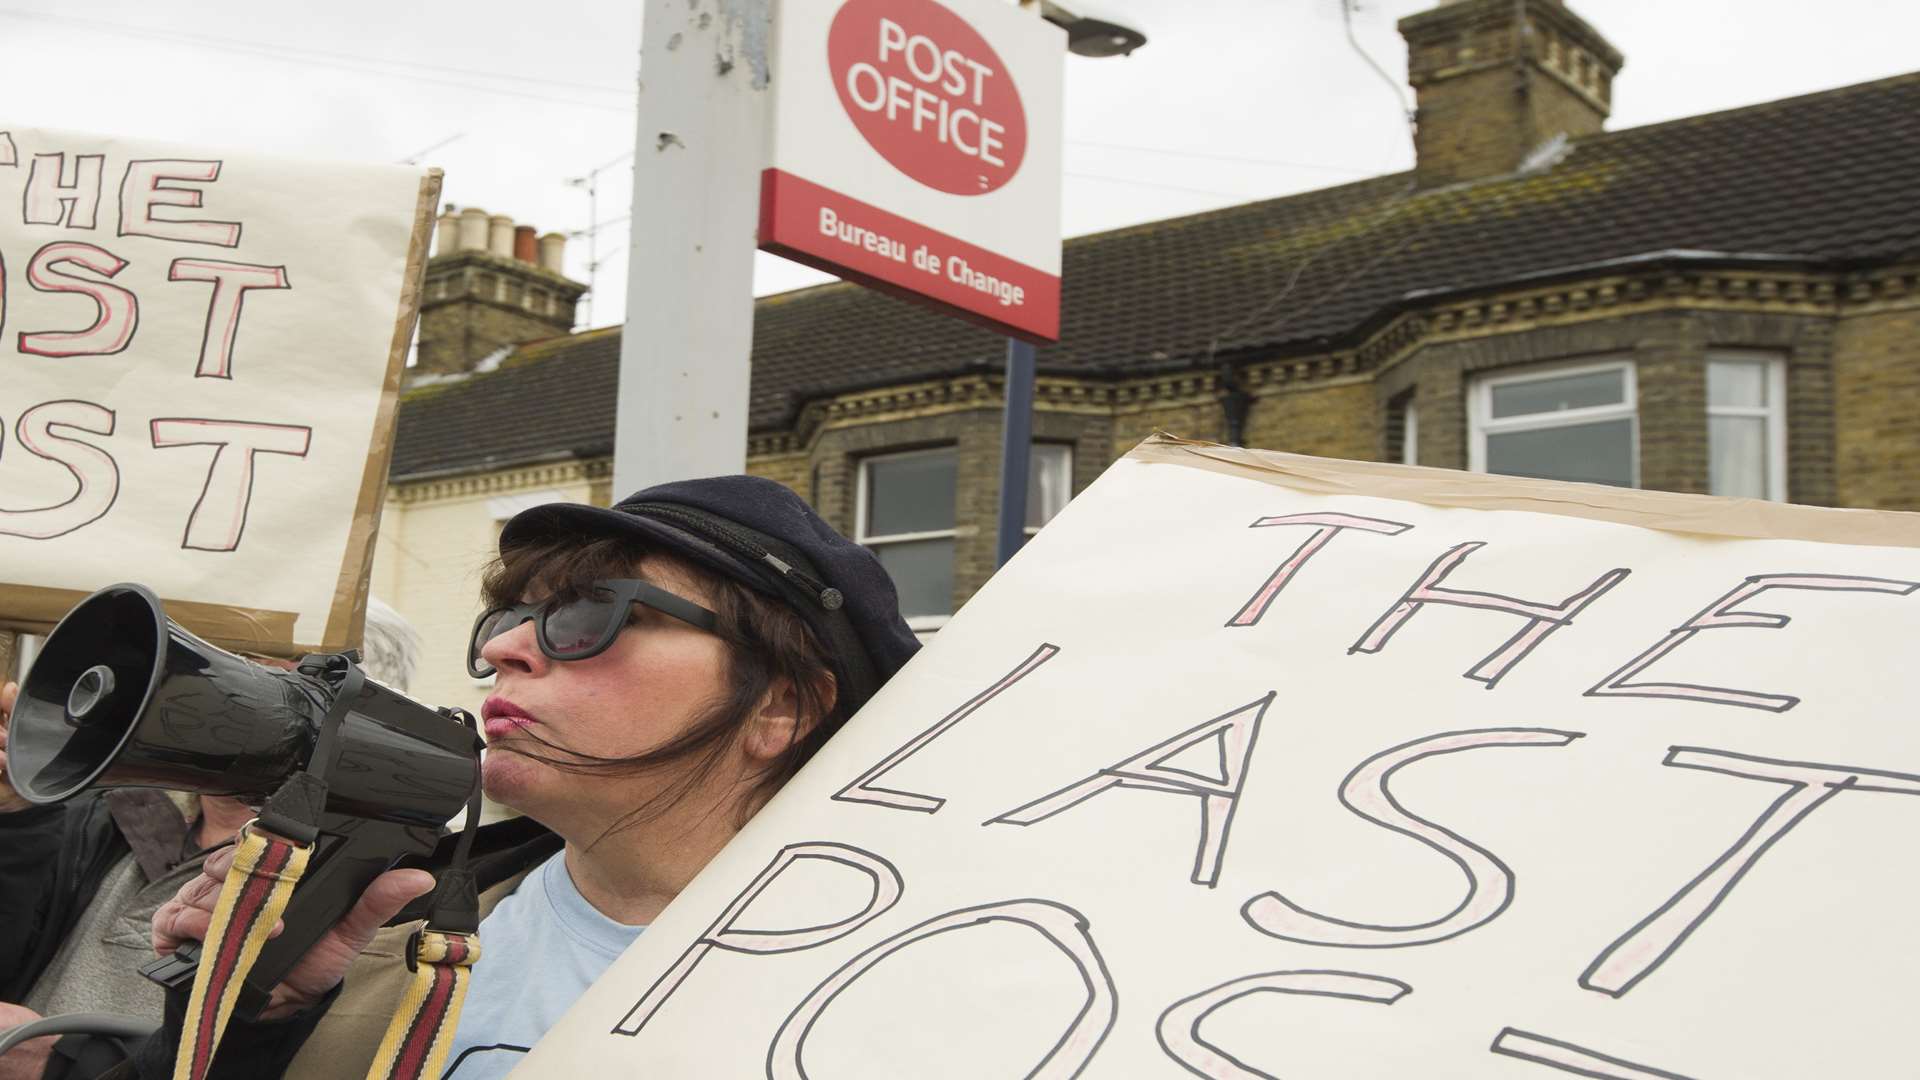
[1582, 391]
[1599, 453]
[1737, 382]
[1049, 482]
[1737, 455]
[910, 494]
[922, 572]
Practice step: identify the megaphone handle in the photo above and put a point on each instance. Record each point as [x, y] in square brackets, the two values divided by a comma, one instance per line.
[339, 872]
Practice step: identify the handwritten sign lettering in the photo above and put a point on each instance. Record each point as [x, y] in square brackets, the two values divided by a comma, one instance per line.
[1208, 793]
[202, 352]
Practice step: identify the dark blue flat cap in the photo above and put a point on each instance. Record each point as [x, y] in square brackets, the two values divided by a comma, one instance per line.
[761, 534]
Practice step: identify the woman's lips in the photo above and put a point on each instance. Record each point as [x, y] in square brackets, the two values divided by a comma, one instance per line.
[500, 717]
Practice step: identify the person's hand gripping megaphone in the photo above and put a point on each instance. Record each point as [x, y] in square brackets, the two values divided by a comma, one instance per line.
[10, 800]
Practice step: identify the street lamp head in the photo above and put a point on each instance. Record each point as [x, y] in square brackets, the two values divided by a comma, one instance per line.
[1095, 37]
[1091, 31]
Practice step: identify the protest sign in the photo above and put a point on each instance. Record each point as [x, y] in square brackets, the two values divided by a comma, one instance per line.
[203, 353]
[1255, 765]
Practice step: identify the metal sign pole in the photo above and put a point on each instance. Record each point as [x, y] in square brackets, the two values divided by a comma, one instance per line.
[1016, 446]
[1016, 433]
[681, 408]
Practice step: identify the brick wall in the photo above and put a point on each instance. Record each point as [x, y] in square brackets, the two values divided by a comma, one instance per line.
[1468, 127]
[1853, 433]
[1669, 359]
[793, 470]
[1344, 415]
[1338, 421]
[473, 303]
[1481, 109]
[1876, 393]
[1669, 351]
[456, 336]
[1202, 419]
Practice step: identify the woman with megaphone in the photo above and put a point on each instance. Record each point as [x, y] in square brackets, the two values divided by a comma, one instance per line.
[660, 669]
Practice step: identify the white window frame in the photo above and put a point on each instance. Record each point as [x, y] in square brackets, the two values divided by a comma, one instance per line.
[862, 493]
[1774, 412]
[1480, 409]
[1064, 473]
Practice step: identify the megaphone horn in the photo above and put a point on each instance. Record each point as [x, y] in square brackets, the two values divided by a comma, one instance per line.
[122, 696]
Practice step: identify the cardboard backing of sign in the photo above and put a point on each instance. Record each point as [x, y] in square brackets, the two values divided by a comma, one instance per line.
[1256, 765]
[315, 272]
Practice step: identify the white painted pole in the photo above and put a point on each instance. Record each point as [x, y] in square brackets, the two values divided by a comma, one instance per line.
[681, 410]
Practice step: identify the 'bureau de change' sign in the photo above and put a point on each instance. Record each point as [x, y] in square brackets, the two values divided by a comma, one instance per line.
[916, 148]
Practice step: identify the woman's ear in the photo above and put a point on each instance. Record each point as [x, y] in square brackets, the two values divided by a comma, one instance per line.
[776, 725]
[785, 717]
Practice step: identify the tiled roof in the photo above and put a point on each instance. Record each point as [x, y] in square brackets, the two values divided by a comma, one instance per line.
[1827, 178]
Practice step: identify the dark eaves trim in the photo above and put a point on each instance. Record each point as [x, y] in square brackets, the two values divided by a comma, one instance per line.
[491, 464]
[975, 366]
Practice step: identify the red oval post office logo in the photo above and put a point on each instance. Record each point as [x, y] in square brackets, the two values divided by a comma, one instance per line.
[929, 93]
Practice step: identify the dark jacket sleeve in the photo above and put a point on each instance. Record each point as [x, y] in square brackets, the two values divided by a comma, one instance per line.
[250, 1048]
[87, 1057]
[29, 888]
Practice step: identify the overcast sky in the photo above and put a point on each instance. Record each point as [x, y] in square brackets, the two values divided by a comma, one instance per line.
[1230, 100]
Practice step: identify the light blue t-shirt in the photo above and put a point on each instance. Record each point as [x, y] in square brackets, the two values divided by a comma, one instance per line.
[539, 951]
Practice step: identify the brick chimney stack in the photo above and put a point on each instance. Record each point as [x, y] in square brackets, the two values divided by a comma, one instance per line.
[1496, 79]
[490, 283]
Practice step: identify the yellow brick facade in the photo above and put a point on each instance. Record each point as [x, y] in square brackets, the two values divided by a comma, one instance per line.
[1851, 346]
[1876, 395]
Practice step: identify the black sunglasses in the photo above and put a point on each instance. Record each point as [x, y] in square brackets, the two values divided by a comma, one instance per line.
[585, 625]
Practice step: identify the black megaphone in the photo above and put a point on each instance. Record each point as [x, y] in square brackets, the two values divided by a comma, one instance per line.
[122, 696]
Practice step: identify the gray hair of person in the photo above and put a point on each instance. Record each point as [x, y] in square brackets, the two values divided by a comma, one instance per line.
[390, 651]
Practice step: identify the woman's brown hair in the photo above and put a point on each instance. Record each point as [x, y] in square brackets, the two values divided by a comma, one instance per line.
[767, 642]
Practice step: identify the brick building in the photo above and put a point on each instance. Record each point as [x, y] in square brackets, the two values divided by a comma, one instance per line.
[1728, 303]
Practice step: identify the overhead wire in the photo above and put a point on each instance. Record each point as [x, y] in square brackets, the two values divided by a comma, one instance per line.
[1235, 158]
[1259, 314]
[414, 158]
[1155, 184]
[330, 54]
[339, 61]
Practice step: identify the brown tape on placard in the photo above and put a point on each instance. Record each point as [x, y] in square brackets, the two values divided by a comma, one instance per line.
[1706, 515]
[347, 616]
[34, 610]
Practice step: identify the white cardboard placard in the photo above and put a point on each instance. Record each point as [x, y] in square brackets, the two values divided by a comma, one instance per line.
[1232, 777]
[202, 350]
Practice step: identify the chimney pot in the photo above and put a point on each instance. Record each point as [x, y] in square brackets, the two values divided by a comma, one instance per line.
[473, 229]
[446, 232]
[500, 236]
[553, 252]
[526, 244]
